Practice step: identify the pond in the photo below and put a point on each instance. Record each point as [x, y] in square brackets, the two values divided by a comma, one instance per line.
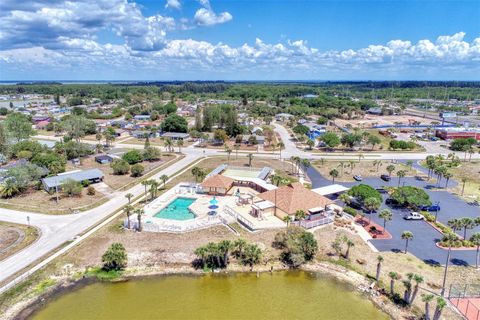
[281, 295]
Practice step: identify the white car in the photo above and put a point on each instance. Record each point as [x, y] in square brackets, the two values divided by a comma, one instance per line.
[414, 216]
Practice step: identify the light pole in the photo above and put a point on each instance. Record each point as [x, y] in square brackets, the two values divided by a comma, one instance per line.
[28, 221]
[436, 210]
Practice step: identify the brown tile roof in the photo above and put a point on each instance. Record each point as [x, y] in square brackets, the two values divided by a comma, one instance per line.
[295, 197]
[218, 181]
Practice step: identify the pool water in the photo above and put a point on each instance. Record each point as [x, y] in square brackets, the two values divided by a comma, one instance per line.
[177, 210]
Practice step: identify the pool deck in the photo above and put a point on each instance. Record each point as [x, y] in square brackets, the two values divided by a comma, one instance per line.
[228, 211]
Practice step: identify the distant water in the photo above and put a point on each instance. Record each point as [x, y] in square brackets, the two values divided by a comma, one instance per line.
[282, 295]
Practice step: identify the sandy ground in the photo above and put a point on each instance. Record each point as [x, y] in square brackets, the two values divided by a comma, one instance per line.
[15, 237]
[363, 168]
[370, 120]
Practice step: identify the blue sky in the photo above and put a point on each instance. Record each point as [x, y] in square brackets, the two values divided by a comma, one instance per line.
[239, 40]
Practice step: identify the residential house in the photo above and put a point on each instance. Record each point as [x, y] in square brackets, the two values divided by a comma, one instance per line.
[54, 183]
[176, 135]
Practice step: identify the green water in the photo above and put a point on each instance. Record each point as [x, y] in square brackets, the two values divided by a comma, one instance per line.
[285, 295]
[177, 210]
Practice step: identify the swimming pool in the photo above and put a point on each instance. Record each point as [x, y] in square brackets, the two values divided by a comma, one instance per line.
[177, 210]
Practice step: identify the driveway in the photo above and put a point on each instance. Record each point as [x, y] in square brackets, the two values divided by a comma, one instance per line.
[423, 244]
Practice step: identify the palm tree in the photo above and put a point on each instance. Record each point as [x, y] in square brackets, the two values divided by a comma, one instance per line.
[349, 244]
[140, 212]
[475, 240]
[153, 189]
[464, 180]
[334, 174]
[408, 287]
[401, 174]
[168, 143]
[129, 196]
[390, 169]
[467, 223]
[310, 144]
[236, 146]
[438, 310]
[164, 179]
[449, 238]
[180, 145]
[372, 204]
[145, 183]
[250, 158]
[377, 164]
[393, 276]
[229, 152]
[360, 157]
[287, 220]
[128, 211]
[379, 267]
[351, 164]
[280, 146]
[306, 164]
[447, 176]
[427, 298]
[225, 246]
[345, 198]
[455, 224]
[418, 280]
[386, 215]
[341, 165]
[407, 236]
[300, 215]
[409, 164]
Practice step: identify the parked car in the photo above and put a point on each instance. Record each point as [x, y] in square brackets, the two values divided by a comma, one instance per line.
[382, 190]
[434, 208]
[385, 177]
[358, 177]
[413, 216]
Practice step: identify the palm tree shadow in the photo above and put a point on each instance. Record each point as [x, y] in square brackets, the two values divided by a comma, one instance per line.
[459, 262]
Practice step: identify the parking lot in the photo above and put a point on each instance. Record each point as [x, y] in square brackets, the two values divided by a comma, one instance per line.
[425, 236]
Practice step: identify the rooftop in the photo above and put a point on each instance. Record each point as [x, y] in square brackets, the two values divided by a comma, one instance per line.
[295, 197]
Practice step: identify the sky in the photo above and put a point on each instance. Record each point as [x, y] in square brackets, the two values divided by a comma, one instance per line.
[240, 40]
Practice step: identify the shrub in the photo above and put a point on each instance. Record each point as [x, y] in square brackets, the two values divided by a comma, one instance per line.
[411, 196]
[298, 246]
[133, 156]
[71, 187]
[363, 192]
[25, 154]
[151, 154]
[120, 166]
[428, 216]
[115, 258]
[91, 191]
[350, 211]
[137, 170]
[85, 183]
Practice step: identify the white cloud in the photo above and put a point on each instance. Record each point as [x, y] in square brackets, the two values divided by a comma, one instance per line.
[173, 4]
[42, 24]
[56, 34]
[205, 17]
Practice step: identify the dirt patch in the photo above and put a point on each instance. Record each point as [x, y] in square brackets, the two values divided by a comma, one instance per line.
[347, 169]
[15, 237]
